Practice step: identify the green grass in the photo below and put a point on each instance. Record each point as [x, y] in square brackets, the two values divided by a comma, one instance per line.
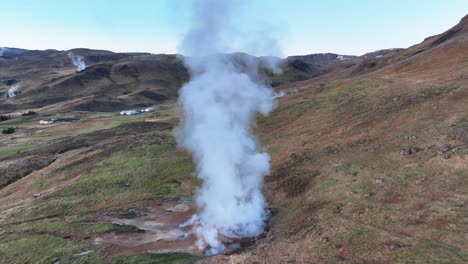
[13, 150]
[22, 248]
[125, 179]
[154, 258]
[264, 140]
[290, 209]
[356, 239]
[38, 249]
[60, 225]
[41, 226]
[327, 184]
[142, 173]
[458, 179]
[428, 252]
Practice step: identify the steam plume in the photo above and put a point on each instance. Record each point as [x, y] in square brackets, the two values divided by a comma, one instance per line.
[12, 91]
[2, 50]
[78, 61]
[219, 105]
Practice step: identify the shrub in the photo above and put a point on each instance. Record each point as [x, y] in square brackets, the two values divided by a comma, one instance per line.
[8, 130]
[29, 113]
[4, 117]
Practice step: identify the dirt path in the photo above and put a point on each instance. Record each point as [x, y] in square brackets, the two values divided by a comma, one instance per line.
[160, 231]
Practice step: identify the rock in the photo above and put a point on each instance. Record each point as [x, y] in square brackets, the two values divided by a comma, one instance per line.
[315, 173]
[455, 149]
[417, 149]
[375, 147]
[369, 194]
[405, 151]
[210, 251]
[410, 137]
[132, 213]
[446, 147]
[184, 236]
[233, 246]
[36, 195]
[379, 180]
[445, 151]
[419, 181]
[178, 208]
[271, 211]
[339, 207]
[394, 246]
[324, 240]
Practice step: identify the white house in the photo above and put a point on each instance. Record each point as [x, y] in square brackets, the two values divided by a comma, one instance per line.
[129, 112]
[47, 121]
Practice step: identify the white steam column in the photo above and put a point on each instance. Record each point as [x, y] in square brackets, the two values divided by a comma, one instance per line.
[12, 91]
[219, 106]
[77, 60]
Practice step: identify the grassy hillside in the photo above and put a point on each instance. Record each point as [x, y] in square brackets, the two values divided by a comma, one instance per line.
[113, 166]
[372, 168]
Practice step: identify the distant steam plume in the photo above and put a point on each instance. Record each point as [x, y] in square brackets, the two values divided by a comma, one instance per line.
[219, 105]
[78, 61]
[13, 91]
[2, 50]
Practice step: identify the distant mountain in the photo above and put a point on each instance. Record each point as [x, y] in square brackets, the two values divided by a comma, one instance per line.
[111, 80]
[116, 80]
[17, 53]
[322, 59]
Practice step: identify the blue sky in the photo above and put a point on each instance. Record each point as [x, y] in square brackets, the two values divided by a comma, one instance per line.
[302, 26]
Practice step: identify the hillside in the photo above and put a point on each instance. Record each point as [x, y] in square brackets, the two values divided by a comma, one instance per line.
[114, 81]
[372, 168]
[369, 159]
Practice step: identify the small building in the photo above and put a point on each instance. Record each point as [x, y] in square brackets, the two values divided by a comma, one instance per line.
[129, 112]
[47, 121]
